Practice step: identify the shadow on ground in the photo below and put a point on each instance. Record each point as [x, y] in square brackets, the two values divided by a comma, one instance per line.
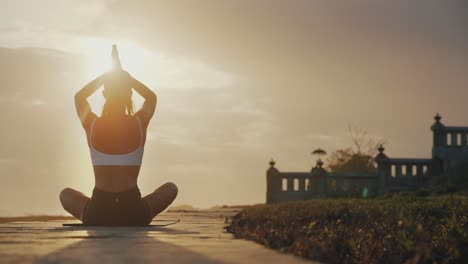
[122, 245]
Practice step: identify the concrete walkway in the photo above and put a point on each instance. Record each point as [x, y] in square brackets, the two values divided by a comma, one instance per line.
[198, 238]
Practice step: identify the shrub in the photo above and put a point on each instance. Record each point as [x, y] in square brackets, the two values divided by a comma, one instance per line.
[401, 228]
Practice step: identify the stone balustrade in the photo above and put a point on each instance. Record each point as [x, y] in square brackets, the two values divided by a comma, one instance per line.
[456, 136]
[449, 153]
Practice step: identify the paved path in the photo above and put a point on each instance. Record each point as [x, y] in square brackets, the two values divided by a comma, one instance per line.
[198, 238]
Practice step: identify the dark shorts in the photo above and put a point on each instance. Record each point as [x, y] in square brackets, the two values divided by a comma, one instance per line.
[121, 208]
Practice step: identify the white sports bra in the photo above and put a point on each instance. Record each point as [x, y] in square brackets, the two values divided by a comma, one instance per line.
[129, 159]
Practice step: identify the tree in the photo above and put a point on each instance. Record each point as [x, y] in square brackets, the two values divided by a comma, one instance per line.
[359, 157]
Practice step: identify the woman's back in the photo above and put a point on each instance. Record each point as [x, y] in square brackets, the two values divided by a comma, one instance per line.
[116, 144]
[116, 135]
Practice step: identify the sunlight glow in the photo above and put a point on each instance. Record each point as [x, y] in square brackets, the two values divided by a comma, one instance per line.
[136, 60]
[174, 72]
[156, 70]
[139, 62]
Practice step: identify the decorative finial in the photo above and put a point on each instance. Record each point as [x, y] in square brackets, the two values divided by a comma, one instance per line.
[381, 149]
[437, 117]
[272, 163]
[319, 152]
[319, 163]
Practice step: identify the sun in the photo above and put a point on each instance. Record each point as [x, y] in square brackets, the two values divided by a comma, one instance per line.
[135, 59]
[139, 62]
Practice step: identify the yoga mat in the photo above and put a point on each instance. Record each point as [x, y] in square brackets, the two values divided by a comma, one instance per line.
[159, 225]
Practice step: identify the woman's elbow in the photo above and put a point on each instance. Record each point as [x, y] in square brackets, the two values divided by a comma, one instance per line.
[78, 96]
[78, 99]
[152, 98]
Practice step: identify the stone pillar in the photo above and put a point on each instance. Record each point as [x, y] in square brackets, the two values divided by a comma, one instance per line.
[388, 175]
[453, 139]
[463, 139]
[383, 170]
[398, 171]
[319, 176]
[290, 184]
[302, 184]
[355, 185]
[437, 166]
[420, 174]
[339, 184]
[439, 142]
[325, 186]
[274, 184]
[313, 186]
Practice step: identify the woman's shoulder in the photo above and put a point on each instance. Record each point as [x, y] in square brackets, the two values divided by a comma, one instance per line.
[129, 120]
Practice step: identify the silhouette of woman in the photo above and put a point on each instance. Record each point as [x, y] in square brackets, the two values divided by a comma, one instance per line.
[116, 141]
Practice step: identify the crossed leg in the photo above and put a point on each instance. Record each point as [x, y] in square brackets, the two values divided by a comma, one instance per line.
[161, 198]
[73, 202]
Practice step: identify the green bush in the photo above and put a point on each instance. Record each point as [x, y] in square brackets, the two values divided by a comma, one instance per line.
[400, 228]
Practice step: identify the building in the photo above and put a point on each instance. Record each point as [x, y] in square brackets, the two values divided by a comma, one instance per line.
[449, 156]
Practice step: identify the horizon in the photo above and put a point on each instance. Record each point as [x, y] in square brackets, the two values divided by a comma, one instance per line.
[238, 83]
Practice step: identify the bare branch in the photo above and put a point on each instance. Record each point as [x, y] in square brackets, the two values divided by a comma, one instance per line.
[360, 157]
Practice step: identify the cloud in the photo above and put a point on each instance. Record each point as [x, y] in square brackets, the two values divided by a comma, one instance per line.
[6, 161]
[209, 120]
[38, 102]
[10, 29]
[19, 99]
[264, 37]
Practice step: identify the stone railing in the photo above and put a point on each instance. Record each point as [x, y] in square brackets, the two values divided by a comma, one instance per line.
[402, 174]
[449, 157]
[402, 167]
[290, 186]
[295, 181]
[342, 183]
[456, 136]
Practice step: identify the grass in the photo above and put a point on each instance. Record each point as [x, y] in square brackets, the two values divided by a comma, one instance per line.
[396, 229]
[34, 218]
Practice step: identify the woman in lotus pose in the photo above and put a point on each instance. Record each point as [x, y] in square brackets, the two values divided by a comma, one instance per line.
[116, 141]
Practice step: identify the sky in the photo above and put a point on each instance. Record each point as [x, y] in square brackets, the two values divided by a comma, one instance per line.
[238, 82]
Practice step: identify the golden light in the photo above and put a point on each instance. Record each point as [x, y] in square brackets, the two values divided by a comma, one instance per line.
[135, 59]
[156, 70]
[139, 62]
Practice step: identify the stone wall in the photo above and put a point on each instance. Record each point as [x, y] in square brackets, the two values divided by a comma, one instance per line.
[449, 156]
[318, 183]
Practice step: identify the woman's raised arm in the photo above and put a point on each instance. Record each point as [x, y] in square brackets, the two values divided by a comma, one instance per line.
[81, 99]
[149, 106]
